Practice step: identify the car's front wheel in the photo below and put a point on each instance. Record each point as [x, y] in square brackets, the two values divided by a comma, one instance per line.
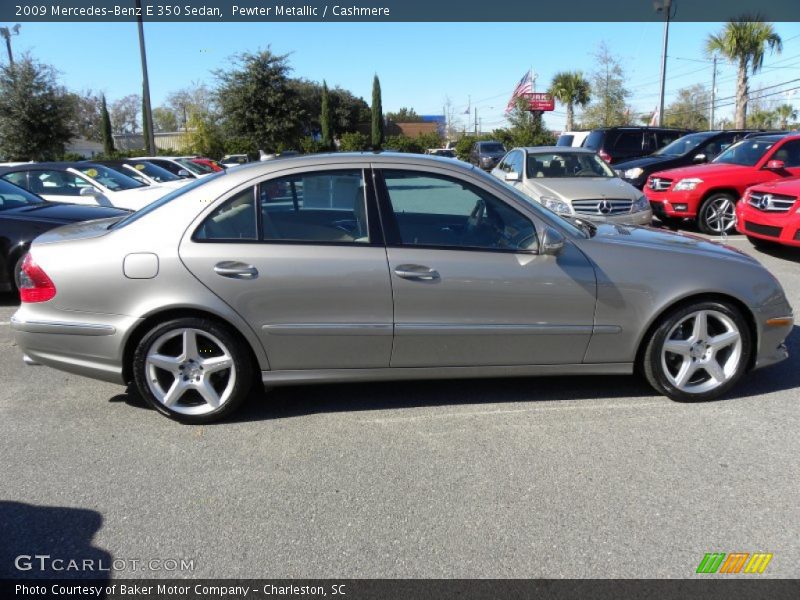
[698, 352]
[717, 214]
[192, 370]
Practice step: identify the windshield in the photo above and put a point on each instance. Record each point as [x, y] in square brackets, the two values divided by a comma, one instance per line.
[683, 145]
[12, 196]
[567, 164]
[493, 148]
[195, 167]
[745, 153]
[164, 200]
[109, 178]
[152, 171]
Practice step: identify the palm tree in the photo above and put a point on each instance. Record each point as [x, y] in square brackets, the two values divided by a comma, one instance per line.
[570, 88]
[785, 112]
[745, 43]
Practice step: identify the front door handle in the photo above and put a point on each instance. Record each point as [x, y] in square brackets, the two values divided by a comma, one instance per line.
[235, 270]
[417, 272]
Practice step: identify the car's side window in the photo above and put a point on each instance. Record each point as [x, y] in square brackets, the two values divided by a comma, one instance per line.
[234, 220]
[629, 141]
[19, 178]
[517, 162]
[444, 212]
[789, 153]
[321, 206]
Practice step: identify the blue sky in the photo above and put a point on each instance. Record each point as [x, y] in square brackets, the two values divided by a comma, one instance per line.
[419, 64]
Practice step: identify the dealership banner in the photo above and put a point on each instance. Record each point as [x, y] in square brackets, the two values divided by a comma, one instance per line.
[391, 10]
[411, 589]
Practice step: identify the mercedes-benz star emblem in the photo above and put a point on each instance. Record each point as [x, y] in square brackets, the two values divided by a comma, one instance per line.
[763, 204]
[604, 207]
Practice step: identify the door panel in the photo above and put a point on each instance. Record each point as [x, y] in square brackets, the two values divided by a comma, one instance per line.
[314, 285]
[492, 308]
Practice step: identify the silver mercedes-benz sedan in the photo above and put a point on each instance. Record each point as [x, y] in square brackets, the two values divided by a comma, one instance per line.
[353, 267]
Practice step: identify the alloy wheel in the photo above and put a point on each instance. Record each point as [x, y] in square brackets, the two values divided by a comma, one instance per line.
[719, 215]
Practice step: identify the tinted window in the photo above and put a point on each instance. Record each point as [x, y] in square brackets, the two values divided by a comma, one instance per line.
[434, 210]
[154, 172]
[565, 140]
[629, 141]
[789, 153]
[594, 140]
[492, 148]
[746, 152]
[327, 206]
[19, 178]
[234, 220]
[684, 144]
[109, 178]
[166, 164]
[666, 137]
[14, 197]
[55, 183]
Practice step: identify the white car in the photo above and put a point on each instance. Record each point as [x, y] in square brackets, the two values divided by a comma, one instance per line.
[83, 183]
[574, 182]
[572, 138]
[146, 172]
[182, 166]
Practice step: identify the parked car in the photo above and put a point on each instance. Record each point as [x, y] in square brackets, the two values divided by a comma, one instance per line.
[364, 267]
[82, 183]
[574, 182]
[769, 213]
[182, 166]
[145, 172]
[691, 149]
[23, 216]
[234, 160]
[572, 138]
[486, 155]
[708, 193]
[616, 144]
[208, 163]
[443, 152]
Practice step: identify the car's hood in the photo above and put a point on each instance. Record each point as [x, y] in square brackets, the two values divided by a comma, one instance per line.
[709, 171]
[666, 241]
[59, 212]
[647, 161]
[578, 188]
[138, 197]
[790, 187]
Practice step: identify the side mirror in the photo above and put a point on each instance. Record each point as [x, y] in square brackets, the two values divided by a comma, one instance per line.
[184, 173]
[700, 158]
[552, 242]
[90, 191]
[776, 165]
[512, 176]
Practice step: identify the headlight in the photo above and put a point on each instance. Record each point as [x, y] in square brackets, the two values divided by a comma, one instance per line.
[687, 184]
[634, 173]
[557, 206]
[640, 204]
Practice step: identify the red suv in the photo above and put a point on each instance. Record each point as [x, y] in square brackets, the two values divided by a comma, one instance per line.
[770, 213]
[708, 193]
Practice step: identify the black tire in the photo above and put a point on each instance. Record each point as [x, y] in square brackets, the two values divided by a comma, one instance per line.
[653, 368]
[706, 213]
[241, 368]
[671, 223]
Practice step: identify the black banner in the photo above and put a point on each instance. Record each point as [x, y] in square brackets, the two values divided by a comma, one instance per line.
[411, 589]
[394, 10]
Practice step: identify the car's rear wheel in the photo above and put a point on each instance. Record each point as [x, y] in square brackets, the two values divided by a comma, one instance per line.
[192, 370]
[717, 214]
[698, 352]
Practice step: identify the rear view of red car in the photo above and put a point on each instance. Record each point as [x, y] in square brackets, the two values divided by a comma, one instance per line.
[770, 213]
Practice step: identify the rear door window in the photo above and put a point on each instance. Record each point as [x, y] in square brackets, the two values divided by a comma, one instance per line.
[594, 140]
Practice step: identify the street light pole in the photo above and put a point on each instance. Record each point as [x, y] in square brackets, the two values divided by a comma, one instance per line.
[147, 117]
[7, 33]
[663, 5]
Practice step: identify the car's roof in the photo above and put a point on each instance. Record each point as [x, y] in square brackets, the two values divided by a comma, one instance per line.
[554, 149]
[775, 137]
[50, 165]
[641, 127]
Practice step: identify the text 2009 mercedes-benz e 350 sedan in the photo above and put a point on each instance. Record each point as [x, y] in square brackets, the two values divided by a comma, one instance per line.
[379, 266]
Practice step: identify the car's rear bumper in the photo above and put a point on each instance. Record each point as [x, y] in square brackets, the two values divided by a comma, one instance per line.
[781, 228]
[85, 344]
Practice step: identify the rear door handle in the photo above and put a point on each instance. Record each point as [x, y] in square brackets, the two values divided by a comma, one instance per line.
[417, 272]
[235, 270]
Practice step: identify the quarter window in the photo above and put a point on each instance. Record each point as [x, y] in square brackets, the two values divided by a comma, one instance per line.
[439, 211]
[234, 220]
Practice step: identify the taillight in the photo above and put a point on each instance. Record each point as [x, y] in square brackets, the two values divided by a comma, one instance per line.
[605, 156]
[34, 284]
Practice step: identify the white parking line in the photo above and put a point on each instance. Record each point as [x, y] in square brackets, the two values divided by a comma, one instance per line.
[5, 322]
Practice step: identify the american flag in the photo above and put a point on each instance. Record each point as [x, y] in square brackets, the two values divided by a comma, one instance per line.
[525, 86]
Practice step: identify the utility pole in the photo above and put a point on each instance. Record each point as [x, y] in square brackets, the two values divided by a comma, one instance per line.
[147, 117]
[7, 33]
[713, 93]
[663, 5]
[476, 120]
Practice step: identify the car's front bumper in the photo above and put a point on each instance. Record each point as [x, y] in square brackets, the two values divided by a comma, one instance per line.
[641, 218]
[673, 204]
[774, 323]
[781, 228]
[85, 344]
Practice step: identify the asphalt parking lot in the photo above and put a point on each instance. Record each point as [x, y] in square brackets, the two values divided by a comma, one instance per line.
[551, 477]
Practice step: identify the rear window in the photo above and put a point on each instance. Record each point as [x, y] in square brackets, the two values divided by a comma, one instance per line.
[594, 140]
[565, 140]
[494, 148]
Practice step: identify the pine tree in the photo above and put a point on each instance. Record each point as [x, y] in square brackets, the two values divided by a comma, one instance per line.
[325, 118]
[108, 139]
[377, 115]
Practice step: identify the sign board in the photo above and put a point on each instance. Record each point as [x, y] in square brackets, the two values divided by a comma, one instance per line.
[540, 101]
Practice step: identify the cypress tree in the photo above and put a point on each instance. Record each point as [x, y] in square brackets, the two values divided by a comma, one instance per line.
[108, 139]
[325, 118]
[377, 115]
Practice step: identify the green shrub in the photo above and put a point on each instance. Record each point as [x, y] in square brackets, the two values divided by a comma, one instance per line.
[353, 142]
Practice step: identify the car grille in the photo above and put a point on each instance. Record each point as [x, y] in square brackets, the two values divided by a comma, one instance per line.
[771, 202]
[659, 184]
[762, 229]
[604, 207]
